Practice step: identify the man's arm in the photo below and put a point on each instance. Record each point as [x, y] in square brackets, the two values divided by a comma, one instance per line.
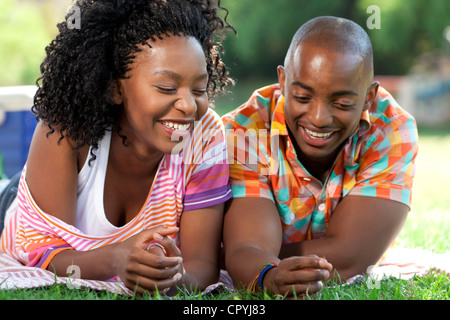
[360, 230]
[252, 237]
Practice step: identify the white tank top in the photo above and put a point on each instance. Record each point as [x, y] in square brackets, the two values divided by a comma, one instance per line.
[91, 218]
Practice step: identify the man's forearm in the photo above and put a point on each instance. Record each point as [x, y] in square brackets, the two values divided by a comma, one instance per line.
[244, 263]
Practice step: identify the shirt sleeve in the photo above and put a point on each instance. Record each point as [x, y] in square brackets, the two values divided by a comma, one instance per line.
[28, 236]
[207, 171]
[387, 165]
[249, 161]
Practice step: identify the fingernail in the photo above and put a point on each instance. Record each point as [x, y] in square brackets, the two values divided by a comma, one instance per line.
[178, 276]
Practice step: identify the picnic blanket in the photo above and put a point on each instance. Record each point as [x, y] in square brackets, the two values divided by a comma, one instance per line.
[400, 263]
[15, 275]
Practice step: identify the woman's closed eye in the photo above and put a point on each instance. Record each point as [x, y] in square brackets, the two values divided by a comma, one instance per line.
[167, 90]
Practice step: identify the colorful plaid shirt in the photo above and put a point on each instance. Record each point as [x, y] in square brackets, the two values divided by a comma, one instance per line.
[377, 161]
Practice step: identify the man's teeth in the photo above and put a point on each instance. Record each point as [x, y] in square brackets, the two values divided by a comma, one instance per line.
[176, 126]
[318, 135]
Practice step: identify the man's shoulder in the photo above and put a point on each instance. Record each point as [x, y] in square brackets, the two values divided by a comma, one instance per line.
[256, 112]
[386, 112]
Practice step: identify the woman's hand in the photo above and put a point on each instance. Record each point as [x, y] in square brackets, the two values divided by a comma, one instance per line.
[143, 270]
[302, 275]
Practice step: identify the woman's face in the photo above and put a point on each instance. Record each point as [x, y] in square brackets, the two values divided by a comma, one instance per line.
[165, 93]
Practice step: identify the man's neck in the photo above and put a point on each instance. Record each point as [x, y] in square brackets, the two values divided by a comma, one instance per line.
[318, 168]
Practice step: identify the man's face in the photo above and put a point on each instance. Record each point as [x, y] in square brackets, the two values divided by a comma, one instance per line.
[325, 94]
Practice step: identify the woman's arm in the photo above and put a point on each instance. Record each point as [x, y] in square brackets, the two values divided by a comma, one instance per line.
[52, 178]
[200, 235]
[52, 173]
[139, 269]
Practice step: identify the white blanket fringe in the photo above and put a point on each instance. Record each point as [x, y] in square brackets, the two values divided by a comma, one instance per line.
[14, 275]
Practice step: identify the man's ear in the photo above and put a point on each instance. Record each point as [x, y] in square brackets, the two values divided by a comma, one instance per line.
[281, 78]
[117, 92]
[371, 94]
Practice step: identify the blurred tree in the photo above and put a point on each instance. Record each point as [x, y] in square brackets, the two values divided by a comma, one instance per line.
[265, 27]
[408, 29]
[23, 39]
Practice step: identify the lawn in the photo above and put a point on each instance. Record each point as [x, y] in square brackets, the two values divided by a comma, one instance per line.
[428, 227]
[428, 224]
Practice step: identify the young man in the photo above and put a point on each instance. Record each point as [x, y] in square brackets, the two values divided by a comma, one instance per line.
[321, 164]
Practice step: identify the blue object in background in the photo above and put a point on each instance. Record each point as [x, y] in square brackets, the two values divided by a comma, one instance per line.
[17, 124]
[15, 137]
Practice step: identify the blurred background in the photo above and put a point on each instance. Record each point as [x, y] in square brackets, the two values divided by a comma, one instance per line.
[411, 40]
[411, 44]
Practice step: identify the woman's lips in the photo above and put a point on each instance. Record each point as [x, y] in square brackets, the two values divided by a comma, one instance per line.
[176, 126]
[177, 129]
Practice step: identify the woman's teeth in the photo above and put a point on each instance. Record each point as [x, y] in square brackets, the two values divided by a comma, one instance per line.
[176, 126]
[318, 135]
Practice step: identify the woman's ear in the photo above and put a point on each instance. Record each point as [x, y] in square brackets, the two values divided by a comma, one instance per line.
[371, 94]
[117, 92]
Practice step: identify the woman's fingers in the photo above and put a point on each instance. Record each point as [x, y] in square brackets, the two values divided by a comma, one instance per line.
[145, 285]
[149, 270]
[169, 245]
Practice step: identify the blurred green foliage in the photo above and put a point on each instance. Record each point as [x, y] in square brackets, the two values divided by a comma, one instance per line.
[265, 28]
[409, 28]
[23, 38]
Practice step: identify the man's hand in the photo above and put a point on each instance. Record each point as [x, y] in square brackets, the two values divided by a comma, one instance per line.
[296, 276]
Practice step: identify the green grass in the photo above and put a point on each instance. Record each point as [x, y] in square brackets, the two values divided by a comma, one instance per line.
[427, 226]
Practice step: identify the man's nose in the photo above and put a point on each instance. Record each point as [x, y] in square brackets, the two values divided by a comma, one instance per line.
[320, 114]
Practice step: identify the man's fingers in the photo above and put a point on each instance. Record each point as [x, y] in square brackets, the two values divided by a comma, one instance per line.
[307, 262]
[306, 276]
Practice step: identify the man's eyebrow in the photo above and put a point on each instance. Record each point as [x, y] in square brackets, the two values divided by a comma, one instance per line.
[304, 86]
[344, 93]
[176, 76]
[334, 94]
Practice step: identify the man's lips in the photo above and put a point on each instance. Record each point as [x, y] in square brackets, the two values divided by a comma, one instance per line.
[318, 135]
[317, 138]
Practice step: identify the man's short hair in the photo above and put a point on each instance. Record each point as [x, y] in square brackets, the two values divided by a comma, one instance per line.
[335, 34]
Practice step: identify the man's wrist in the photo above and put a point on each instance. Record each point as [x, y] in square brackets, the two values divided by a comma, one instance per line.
[268, 279]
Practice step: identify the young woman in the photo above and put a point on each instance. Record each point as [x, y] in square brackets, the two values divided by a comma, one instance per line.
[126, 174]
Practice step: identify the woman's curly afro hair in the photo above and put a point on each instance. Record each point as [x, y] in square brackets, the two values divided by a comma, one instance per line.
[75, 91]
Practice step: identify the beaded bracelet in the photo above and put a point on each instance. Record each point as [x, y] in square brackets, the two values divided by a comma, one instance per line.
[257, 283]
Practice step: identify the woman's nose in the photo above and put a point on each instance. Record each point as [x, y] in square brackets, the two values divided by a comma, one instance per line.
[186, 104]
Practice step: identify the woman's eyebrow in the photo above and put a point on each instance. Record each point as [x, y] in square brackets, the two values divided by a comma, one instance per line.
[168, 73]
[176, 76]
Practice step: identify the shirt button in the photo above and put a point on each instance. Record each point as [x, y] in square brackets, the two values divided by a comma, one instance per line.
[322, 207]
